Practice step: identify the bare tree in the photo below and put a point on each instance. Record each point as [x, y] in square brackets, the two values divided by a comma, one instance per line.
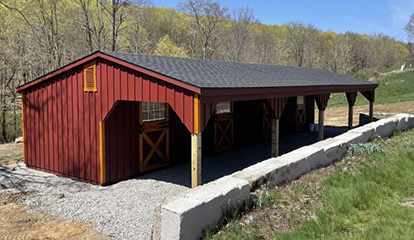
[137, 35]
[295, 42]
[43, 23]
[264, 46]
[50, 30]
[117, 15]
[85, 6]
[93, 24]
[206, 15]
[239, 33]
[409, 28]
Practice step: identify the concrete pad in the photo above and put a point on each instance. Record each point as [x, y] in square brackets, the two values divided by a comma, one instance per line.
[202, 208]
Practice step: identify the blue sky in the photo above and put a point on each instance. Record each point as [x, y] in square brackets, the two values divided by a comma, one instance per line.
[362, 16]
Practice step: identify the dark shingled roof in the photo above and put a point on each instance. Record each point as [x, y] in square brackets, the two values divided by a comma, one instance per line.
[225, 74]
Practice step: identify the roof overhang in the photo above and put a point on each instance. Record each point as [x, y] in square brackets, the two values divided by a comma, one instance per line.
[241, 94]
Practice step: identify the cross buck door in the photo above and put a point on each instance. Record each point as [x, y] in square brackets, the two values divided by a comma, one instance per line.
[154, 147]
[223, 127]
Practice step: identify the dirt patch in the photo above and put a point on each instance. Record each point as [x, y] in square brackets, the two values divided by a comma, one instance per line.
[10, 153]
[338, 116]
[290, 206]
[17, 223]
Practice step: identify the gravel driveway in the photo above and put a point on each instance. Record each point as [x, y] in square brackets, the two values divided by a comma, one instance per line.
[125, 210]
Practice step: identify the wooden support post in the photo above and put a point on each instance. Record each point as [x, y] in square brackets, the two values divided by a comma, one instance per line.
[321, 120]
[196, 155]
[275, 137]
[196, 160]
[351, 98]
[350, 116]
[277, 105]
[371, 111]
[322, 103]
[370, 96]
[102, 163]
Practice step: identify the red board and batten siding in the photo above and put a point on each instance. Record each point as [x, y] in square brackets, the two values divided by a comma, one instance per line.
[61, 120]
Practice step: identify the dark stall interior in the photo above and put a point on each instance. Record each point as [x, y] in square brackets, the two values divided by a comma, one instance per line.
[244, 124]
[247, 139]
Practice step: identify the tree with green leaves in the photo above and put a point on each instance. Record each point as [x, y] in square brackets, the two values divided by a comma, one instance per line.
[166, 47]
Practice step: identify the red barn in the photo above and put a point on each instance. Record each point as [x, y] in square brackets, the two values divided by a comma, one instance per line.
[112, 116]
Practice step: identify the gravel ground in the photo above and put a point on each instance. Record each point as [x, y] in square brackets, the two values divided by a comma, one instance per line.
[125, 210]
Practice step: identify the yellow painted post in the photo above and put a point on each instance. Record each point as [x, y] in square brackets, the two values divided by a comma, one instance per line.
[196, 114]
[102, 163]
[196, 146]
[22, 128]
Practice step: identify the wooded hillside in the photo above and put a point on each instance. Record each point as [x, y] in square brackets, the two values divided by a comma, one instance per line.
[37, 36]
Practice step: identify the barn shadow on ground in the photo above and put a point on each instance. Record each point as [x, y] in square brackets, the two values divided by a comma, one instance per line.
[219, 165]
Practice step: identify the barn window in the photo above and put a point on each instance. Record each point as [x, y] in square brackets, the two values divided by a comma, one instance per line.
[154, 111]
[223, 107]
[89, 78]
[300, 100]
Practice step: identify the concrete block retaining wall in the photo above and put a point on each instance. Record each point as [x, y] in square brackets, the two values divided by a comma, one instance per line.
[201, 208]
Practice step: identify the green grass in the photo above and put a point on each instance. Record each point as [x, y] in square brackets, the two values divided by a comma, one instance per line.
[392, 88]
[362, 203]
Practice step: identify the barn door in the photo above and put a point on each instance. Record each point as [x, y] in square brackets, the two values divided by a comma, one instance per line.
[223, 127]
[154, 136]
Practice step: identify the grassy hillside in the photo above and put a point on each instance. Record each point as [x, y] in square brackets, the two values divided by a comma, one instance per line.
[392, 88]
[368, 195]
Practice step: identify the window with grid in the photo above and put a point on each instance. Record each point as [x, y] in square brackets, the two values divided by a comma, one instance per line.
[154, 111]
[223, 107]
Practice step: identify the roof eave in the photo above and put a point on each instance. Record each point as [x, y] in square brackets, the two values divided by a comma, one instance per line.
[101, 55]
[221, 94]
